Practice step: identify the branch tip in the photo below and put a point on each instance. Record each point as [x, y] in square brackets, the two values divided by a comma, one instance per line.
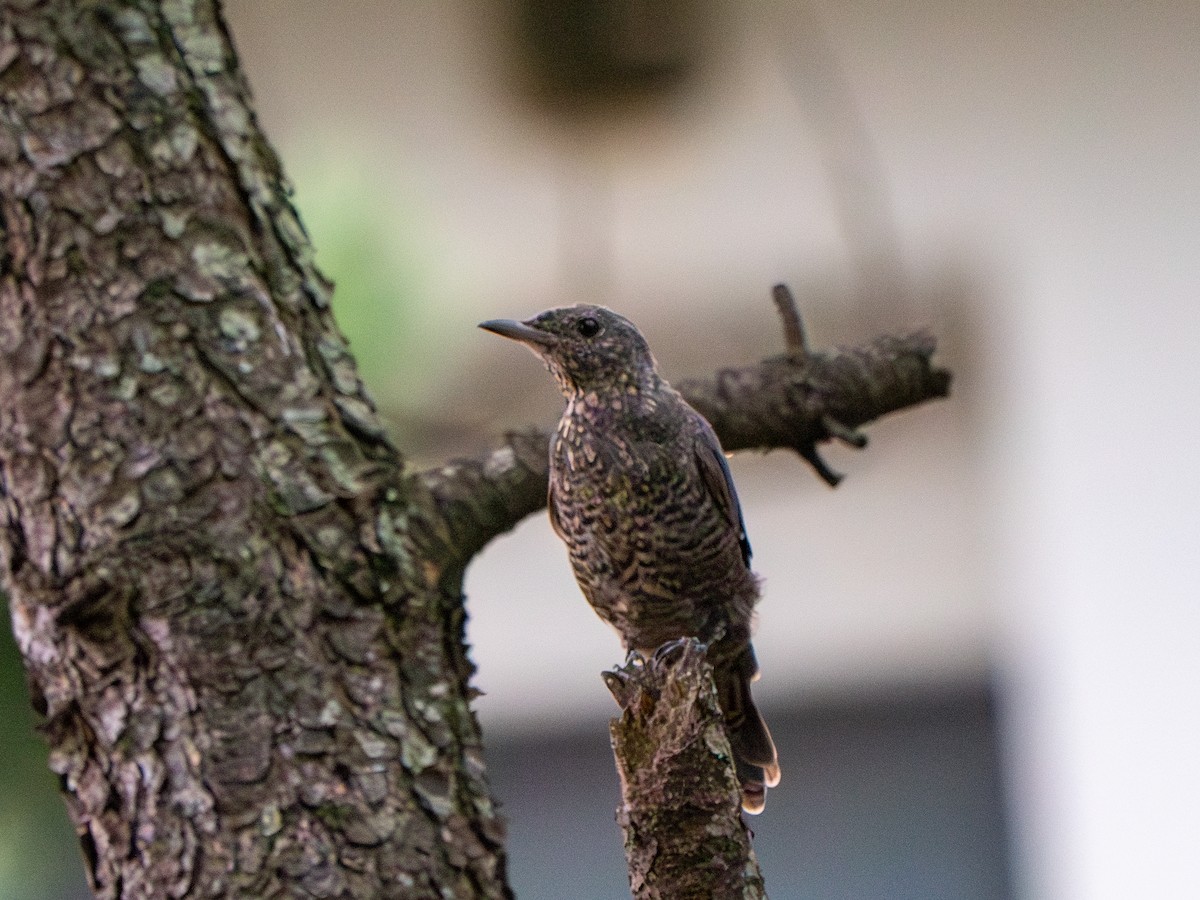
[812, 456]
[793, 328]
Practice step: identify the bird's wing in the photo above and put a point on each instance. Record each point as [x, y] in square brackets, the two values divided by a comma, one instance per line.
[715, 472]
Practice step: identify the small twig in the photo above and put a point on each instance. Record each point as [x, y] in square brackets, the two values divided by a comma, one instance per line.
[793, 328]
[811, 455]
[798, 352]
[843, 432]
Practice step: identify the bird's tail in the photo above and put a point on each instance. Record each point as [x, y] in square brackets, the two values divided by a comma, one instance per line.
[753, 750]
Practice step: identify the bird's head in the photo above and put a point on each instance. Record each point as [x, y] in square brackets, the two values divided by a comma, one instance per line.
[587, 348]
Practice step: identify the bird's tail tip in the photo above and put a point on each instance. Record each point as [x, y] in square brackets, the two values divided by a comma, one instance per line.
[754, 798]
[755, 779]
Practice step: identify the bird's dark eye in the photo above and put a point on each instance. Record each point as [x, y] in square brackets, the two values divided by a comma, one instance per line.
[588, 327]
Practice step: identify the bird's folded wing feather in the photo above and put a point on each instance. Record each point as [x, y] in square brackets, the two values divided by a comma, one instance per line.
[717, 478]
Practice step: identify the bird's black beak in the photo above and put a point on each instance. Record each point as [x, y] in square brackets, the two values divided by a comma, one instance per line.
[520, 331]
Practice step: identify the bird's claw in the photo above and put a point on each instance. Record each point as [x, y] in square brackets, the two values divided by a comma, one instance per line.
[673, 652]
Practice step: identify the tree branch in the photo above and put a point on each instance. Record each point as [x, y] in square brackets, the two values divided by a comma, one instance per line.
[796, 400]
[484, 497]
[680, 798]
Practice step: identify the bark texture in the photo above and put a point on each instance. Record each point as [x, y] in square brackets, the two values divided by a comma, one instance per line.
[240, 615]
[680, 799]
[226, 594]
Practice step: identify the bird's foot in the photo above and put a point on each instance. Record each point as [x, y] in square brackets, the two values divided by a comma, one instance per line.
[673, 652]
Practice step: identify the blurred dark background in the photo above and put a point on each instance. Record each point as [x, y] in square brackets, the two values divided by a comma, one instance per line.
[895, 797]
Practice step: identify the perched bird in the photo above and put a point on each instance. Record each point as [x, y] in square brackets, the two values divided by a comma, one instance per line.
[641, 495]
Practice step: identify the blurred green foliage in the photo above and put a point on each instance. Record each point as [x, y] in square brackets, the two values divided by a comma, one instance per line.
[366, 244]
[39, 855]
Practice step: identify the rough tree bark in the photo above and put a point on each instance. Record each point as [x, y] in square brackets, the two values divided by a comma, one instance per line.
[241, 615]
[680, 797]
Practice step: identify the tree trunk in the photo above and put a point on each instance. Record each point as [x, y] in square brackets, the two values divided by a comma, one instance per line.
[227, 594]
[241, 616]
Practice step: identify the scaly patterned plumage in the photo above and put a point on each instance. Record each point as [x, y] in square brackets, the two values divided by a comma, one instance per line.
[642, 497]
